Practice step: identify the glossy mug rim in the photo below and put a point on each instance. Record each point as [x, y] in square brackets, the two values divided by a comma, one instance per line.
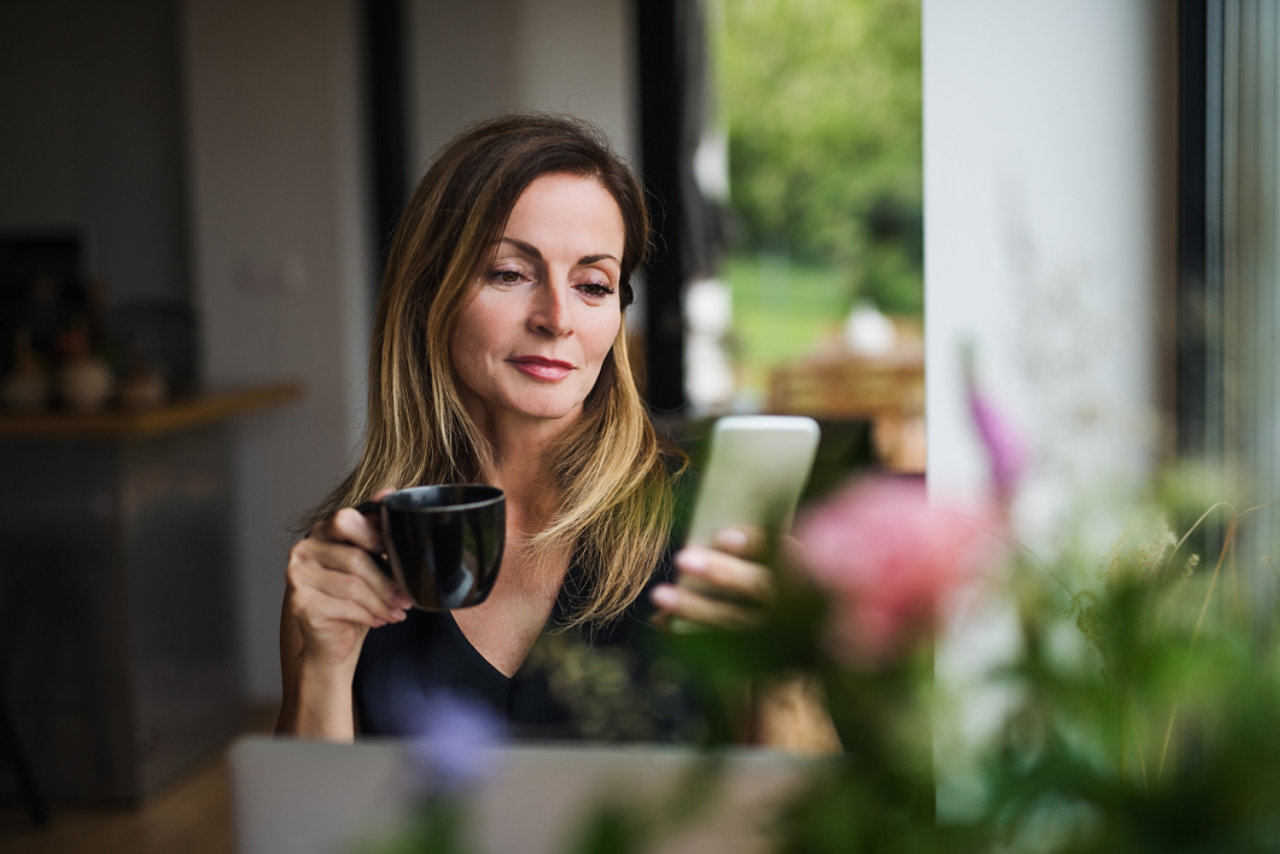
[486, 495]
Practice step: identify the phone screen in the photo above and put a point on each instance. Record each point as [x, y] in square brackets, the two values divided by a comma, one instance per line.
[757, 470]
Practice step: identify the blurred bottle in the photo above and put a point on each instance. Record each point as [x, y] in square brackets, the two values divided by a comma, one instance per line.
[26, 386]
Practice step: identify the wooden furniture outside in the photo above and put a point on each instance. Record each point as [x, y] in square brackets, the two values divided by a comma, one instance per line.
[849, 386]
[887, 390]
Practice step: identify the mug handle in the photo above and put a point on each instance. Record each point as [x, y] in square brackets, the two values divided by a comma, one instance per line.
[374, 508]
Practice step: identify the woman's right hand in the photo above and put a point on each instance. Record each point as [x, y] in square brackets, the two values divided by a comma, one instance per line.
[335, 592]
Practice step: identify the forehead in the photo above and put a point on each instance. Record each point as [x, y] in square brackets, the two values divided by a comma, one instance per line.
[564, 208]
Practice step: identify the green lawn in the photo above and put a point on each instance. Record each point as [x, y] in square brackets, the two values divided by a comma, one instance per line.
[781, 311]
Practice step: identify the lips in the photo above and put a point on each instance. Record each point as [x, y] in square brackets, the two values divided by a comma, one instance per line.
[540, 368]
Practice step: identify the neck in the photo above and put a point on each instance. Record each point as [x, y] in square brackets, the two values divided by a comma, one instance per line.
[520, 465]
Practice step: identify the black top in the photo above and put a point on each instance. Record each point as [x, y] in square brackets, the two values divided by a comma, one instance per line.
[607, 684]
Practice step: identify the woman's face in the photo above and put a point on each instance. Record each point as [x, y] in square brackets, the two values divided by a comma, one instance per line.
[543, 316]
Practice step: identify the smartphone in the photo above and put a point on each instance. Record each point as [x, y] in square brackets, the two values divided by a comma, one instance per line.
[755, 474]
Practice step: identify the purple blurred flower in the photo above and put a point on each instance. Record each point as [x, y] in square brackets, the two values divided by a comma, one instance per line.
[452, 740]
[1005, 447]
[890, 563]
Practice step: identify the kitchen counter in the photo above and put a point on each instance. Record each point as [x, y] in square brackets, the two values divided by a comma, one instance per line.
[118, 604]
[181, 414]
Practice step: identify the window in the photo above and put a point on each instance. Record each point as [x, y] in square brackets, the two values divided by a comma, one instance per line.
[814, 147]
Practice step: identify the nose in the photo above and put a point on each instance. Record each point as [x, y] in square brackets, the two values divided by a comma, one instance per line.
[550, 313]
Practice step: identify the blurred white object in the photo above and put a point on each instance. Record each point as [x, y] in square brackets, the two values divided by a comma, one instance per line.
[711, 164]
[867, 332]
[708, 307]
[709, 379]
[86, 383]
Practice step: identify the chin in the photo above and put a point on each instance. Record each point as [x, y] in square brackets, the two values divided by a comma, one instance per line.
[554, 413]
[538, 405]
[553, 410]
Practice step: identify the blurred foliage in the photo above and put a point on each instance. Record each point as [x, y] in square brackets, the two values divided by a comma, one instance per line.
[1163, 739]
[1138, 712]
[822, 103]
[1140, 717]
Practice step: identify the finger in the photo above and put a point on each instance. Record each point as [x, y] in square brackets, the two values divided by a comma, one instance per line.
[354, 587]
[313, 561]
[741, 541]
[315, 608]
[724, 575]
[678, 603]
[349, 525]
[364, 529]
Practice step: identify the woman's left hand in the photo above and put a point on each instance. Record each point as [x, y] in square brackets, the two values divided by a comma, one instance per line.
[721, 586]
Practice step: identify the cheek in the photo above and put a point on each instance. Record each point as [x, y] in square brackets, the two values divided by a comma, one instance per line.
[600, 347]
[458, 358]
[603, 336]
[466, 343]
[459, 341]
[475, 326]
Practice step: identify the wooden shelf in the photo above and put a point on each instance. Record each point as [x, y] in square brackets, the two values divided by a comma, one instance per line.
[183, 414]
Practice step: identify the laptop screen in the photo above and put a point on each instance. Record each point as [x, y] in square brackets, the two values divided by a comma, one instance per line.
[309, 796]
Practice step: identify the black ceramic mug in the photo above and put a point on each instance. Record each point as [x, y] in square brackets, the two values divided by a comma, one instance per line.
[444, 543]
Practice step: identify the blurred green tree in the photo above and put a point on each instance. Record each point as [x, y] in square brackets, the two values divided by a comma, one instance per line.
[822, 104]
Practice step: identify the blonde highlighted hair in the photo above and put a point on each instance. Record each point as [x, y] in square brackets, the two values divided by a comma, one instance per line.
[611, 474]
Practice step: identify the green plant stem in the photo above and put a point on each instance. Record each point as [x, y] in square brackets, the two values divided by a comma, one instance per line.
[1168, 737]
[1213, 580]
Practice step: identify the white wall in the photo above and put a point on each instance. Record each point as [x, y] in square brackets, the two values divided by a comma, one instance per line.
[472, 58]
[92, 137]
[578, 56]
[282, 266]
[1050, 243]
[1050, 146]
[460, 60]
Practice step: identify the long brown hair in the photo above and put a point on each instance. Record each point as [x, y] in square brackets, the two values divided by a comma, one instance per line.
[610, 471]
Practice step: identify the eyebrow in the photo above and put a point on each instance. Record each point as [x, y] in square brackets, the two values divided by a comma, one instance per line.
[532, 251]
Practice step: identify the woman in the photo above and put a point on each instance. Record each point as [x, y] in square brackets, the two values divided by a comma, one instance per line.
[499, 356]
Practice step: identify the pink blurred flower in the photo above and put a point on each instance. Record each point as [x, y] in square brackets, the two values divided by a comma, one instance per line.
[890, 562]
